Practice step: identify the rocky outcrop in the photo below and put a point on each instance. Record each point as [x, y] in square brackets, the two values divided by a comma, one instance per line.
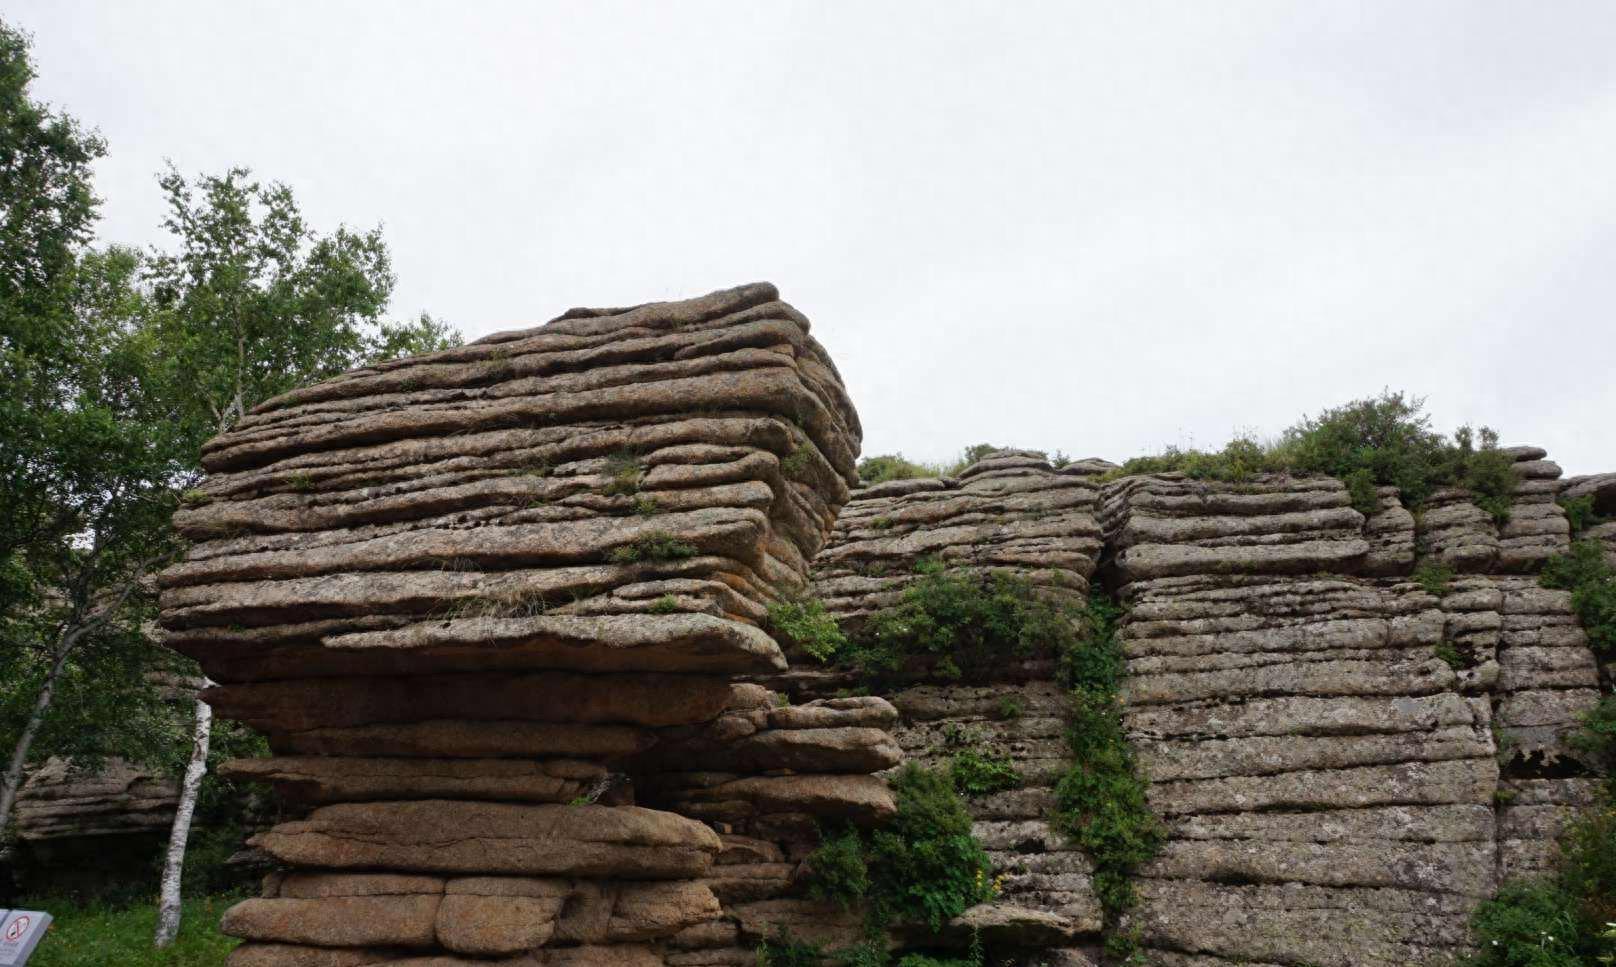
[1324, 735]
[502, 612]
[480, 600]
[1010, 511]
[118, 799]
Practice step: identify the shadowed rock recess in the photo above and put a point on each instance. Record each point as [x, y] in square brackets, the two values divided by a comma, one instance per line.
[501, 612]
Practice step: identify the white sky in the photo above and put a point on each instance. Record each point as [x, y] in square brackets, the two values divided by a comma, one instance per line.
[1100, 228]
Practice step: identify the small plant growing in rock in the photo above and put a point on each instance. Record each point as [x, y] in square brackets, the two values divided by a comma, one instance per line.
[646, 507]
[1454, 658]
[196, 498]
[982, 773]
[795, 464]
[805, 623]
[654, 547]
[624, 472]
[1434, 577]
[1100, 802]
[1010, 708]
[881, 523]
[1580, 514]
[667, 604]
[1592, 583]
[300, 482]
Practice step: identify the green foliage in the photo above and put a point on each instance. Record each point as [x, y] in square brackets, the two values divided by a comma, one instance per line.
[979, 774]
[1382, 440]
[1570, 917]
[786, 951]
[1240, 459]
[1390, 439]
[623, 472]
[1597, 739]
[1580, 514]
[964, 619]
[922, 865]
[925, 863]
[1451, 655]
[805, 623]
[395, 340]
[796, 463]
[892, 466]
[1531, 925]
[667, 604]
[838, 870]
[1592, 582]
[1100, 801]
[968, 456]
[654, 547]
[121, 936]
[1435, 577]
[1009, 708]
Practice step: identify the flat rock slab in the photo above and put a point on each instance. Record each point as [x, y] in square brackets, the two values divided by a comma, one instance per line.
[443, 836]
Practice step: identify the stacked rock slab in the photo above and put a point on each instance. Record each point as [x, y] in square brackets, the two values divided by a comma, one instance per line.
[118, 799]
[1009, 511]
[468, 594]
[1318, 728]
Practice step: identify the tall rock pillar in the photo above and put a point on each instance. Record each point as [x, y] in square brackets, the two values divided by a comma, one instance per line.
[467, 594]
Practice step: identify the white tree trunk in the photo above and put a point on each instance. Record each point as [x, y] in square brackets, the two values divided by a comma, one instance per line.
[168, 903]
[12, 781]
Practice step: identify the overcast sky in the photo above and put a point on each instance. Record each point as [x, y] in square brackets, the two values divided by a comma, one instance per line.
[1098, 228]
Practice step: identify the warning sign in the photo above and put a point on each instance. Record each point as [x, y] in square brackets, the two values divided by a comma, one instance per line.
[20, 931]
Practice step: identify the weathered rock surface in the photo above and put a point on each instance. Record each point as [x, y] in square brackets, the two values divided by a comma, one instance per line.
[501, 612]
[1322, 734]
[478, 599]
[120, 798]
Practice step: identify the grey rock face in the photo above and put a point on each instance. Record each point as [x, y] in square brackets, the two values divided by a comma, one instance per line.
[1324, 736]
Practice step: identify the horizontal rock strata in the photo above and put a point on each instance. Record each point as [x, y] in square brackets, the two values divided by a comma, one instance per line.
[120, 798]
[1324, 735]
[479, 599]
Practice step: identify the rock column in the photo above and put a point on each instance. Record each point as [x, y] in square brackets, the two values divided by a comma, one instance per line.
[470, 595]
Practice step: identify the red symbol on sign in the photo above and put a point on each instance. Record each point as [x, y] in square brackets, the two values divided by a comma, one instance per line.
[17, 928]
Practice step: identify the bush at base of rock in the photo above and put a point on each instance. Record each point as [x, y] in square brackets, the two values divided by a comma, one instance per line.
[924, 865]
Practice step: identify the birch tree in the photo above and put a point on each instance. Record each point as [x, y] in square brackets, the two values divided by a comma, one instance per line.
[252, 303]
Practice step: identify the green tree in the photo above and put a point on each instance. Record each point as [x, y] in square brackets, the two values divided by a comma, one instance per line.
[115, 366]
[84, 453]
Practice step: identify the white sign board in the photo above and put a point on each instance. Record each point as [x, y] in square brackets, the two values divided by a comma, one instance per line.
[20, 931]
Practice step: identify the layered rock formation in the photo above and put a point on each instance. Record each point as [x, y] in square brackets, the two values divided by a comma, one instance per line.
[501, 612]
[1323, 734]
[119, 799]
[1010, 511]
[470, 595]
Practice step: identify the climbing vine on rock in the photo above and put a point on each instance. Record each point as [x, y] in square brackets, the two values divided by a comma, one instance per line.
[1100, 801]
